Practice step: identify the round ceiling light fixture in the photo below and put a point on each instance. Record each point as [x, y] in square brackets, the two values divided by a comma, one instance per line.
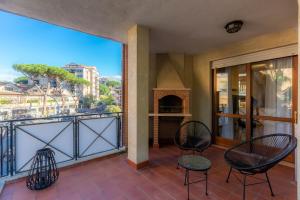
[234, 26]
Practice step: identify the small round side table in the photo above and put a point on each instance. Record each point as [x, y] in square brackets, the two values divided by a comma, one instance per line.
[194, 163]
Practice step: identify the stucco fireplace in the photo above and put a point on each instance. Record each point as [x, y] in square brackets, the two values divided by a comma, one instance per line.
[171, 80]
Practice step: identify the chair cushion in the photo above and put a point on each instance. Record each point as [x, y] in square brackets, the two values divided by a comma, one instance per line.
[196, 144]
[241, 159]
[201, 144]
[187, 145]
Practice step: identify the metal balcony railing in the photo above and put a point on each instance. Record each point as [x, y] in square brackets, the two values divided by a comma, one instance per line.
[72, 138]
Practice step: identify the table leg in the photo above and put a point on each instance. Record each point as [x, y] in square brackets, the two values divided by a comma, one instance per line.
[185, 177]
[206, 177]
[188, 183]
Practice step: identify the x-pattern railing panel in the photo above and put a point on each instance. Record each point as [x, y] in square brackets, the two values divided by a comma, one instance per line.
[97, 135]
[56, 135]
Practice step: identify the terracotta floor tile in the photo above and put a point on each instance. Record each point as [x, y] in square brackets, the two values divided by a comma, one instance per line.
[114, 179]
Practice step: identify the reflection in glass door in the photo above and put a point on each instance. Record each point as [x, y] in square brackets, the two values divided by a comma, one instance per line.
[272, 96]
[230, 98]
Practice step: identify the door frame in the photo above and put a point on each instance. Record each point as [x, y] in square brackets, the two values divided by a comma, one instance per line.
[249, 113]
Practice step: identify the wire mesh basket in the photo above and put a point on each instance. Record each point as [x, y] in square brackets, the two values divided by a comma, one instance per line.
[43, 172]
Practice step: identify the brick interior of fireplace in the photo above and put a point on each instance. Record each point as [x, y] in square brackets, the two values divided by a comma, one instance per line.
[167, 129]
[170, 104]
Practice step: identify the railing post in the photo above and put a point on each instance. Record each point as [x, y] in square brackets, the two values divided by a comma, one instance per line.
[11, 150]
[75, 137]
[121, 130]
[1, 139]
[118, 131]
[7, 151]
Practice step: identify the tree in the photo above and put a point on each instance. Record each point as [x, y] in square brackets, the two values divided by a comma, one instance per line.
[88, 101]
[21, 80]
[113, 83]
[49, 73]
[74, 82]
[61, 76]
[104, 90]
[113, 108]
[107, 99]
[5, 101]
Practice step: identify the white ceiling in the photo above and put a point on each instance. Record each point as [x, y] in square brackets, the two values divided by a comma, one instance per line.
[189, 26]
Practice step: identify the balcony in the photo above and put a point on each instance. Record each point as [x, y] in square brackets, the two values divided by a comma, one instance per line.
[240, 85]
[112, 178]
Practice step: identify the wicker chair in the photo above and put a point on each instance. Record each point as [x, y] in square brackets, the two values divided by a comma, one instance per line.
[193, 135]
[258, 155]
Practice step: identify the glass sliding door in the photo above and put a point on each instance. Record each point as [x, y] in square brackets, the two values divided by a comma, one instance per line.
[272, 93]
[230, 99]
[254, 99]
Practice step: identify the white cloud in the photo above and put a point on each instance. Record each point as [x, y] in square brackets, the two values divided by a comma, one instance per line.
[8, 74]
[114, 77]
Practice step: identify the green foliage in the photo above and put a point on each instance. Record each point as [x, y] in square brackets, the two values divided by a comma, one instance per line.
[113, 108]
[87, 101]
[112, 83]
[104, 90]
[21, 80]
[51, 72]
[280, 77]
[107, 99]
[5, 101]
[33, 101]
[51, 101]
[72, 79]
[32, 69]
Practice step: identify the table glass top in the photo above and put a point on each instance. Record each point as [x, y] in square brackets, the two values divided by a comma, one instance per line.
[194, 162]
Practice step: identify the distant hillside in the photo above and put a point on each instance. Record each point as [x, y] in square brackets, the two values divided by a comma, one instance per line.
[113, 78]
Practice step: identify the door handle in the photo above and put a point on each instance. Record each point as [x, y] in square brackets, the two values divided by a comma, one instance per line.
[295, 117]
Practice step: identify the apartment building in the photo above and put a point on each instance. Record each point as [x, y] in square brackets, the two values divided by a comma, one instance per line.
[89, 73]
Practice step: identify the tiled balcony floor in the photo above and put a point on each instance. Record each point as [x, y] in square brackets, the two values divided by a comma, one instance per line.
[113, 179]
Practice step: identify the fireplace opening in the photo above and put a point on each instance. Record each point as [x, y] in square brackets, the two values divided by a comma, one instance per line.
[167, 129]
[170, 104]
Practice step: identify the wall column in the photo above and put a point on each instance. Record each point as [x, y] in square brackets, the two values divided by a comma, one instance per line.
[138, 96]
[297, 126]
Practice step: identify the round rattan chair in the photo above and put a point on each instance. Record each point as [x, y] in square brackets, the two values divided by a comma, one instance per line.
[193, 135]
[258, 155]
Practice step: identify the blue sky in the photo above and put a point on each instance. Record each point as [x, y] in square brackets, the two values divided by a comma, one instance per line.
[24, 40]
